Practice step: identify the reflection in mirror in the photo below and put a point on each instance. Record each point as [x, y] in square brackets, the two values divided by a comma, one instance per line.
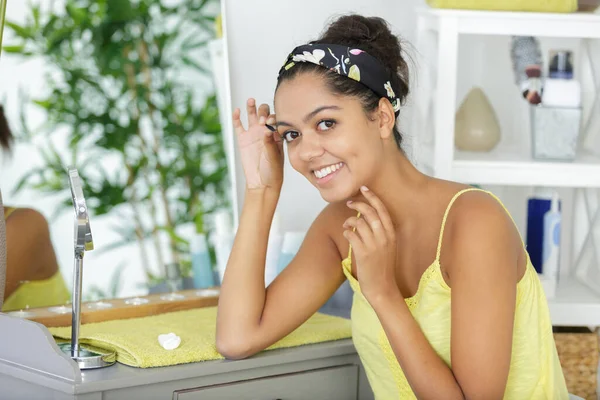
[2, 226]
[125, 93]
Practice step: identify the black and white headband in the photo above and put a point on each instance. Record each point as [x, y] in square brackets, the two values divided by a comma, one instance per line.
[354, 63]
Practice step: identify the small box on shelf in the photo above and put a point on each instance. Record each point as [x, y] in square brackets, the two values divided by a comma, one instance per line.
[555, 132]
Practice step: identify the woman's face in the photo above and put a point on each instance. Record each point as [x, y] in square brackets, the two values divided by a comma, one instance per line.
[330, 139]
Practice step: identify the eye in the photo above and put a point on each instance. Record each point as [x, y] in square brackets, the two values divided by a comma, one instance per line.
[326, 124]
[289, 136]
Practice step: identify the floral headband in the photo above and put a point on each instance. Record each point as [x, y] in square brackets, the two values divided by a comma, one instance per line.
[354, 63]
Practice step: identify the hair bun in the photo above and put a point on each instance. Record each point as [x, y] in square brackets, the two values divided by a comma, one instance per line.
[373, 35]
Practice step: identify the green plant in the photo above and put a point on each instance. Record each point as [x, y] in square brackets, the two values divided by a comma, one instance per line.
[123, 93]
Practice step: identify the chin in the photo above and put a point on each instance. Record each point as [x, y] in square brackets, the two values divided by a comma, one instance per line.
[337, 193]
[331, 196]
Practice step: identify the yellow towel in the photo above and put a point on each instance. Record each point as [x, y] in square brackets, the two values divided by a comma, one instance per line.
[552, 6]
[136, 340]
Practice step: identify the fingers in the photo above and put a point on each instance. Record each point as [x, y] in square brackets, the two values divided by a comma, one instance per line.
[251, 110]
[264, 111]
[372, 219]
[354, 241]
[237, 122]
[366, 211]
[380, 209]
[369, 234]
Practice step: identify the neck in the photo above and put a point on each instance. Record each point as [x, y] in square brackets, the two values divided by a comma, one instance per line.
[401, 187]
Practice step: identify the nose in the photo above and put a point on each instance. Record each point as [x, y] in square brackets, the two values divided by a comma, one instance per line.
[310, 147]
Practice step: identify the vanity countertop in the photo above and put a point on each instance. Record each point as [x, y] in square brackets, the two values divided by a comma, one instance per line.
[32, 366]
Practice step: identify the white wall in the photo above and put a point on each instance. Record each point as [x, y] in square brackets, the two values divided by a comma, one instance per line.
[259, 35]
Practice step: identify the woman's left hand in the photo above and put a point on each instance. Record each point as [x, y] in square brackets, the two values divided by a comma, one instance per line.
[373, 240]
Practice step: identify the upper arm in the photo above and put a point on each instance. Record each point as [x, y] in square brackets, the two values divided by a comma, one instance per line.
[482, 259]
[27, 230]
[306, 283]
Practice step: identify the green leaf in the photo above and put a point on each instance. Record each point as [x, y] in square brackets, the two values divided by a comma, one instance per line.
[78, 14]
[20, 31]
[194, 64]
[14, 49]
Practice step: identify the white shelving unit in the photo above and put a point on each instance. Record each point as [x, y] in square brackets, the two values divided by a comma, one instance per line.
[575, 303]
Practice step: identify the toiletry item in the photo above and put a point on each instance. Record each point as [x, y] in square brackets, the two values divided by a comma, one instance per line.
[537, 206]
[555, 132]
[174, 281]
[561, 65]
[290, 246]
[173, 277]
[201, 265]
[560, 89]
[528, 64]
[223, 241]
[169, 341]
[273, 250]
[562, 93]
[551, 245]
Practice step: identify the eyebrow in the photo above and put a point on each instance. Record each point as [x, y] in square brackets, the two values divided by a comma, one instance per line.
[310, 114]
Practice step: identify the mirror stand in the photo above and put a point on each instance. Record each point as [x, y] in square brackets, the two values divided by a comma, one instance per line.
[85, 358]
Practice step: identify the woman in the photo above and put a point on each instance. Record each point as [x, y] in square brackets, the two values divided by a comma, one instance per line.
[438, 269]
[33, 278]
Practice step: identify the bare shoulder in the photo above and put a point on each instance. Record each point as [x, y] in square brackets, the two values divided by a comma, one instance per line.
[479, 228]
[28, 219]
[475, 210]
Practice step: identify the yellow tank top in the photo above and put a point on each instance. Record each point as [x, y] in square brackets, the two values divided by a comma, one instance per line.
[40, 293]
[535, 371]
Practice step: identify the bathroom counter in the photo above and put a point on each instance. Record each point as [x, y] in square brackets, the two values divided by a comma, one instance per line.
[32, 367]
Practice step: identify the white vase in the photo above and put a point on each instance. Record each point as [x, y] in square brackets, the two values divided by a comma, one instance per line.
[476, 125]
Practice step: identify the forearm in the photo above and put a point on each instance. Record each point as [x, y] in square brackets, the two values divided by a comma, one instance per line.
[427, 374]
[242, 295]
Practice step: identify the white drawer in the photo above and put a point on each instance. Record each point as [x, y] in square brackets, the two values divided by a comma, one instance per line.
[336, 383]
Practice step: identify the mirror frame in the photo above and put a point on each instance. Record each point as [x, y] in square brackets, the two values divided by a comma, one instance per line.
[2, 225]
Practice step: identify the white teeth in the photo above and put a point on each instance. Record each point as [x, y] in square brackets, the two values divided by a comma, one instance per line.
[323, 172]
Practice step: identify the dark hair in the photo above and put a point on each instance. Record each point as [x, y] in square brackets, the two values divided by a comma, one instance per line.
[372, 35]
[6, 137]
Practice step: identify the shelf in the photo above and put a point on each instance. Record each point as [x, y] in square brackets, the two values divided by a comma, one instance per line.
[574, 25]
[574, 304]
[514, 166]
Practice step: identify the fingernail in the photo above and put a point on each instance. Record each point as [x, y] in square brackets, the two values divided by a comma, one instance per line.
[271, 121]
[364, 188]
[349, 202]
[261, 120]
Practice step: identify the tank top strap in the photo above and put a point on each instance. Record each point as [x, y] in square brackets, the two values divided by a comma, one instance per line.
[456, 196]
[8, 211]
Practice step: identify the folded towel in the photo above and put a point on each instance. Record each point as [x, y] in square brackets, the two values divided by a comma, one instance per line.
[136, 340]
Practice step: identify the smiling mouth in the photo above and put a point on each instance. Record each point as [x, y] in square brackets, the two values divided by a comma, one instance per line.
[326, 171]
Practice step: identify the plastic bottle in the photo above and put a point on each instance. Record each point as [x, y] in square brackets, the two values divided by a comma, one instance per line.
[223, 241]
[291, 244]
[273, 250]
[537, 206]
[201, 264]
[551, 245]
